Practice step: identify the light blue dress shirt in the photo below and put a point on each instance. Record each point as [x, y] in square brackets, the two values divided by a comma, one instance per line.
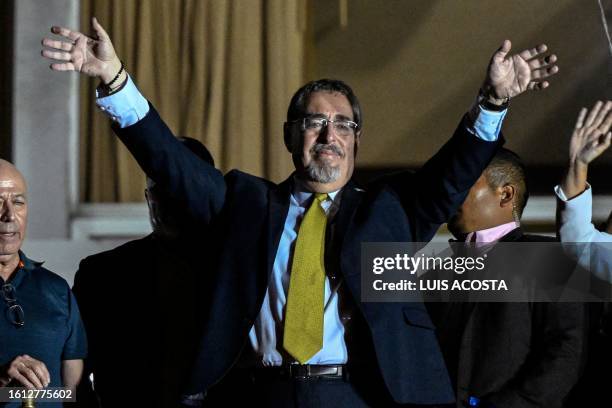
[128, 106]
[575, 226]
[266, 333]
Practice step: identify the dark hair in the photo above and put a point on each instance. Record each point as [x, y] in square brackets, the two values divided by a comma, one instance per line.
[297, 106]
[505, 168]
[197, 148]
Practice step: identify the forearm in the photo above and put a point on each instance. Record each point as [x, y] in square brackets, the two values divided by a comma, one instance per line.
[574, 216]
[575, 181]
[72, 370]
[195, 184]
[445, 180]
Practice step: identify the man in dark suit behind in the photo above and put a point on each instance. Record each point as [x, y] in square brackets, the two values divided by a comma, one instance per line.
[286, 306]
[508, 355]
[140, 306]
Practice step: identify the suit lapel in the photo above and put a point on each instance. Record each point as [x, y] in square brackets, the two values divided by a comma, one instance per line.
[351, 196]
[278, 207]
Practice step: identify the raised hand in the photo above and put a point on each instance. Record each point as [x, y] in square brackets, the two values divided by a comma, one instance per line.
[510, 75]
[592, 134]
[91, 55]
[591, 137]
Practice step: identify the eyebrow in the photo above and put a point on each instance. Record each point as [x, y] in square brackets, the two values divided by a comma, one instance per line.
[338, 116]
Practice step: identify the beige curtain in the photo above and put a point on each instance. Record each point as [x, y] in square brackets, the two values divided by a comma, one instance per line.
[221, 71]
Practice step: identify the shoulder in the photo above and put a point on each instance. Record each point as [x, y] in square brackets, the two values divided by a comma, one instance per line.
[129, 249]
[243, 186]
[242, 179]
[51, 283]
[50, 279]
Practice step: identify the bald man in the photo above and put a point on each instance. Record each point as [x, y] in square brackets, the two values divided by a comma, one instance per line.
[42, 341]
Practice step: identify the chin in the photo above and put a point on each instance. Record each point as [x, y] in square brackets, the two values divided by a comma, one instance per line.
[8, 253]
[323, 174]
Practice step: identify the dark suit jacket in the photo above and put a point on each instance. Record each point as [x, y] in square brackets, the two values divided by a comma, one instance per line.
[251, 212]
[514, 354]
[139, 308]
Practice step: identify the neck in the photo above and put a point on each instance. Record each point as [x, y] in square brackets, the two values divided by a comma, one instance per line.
[8, 264]
[316, 187]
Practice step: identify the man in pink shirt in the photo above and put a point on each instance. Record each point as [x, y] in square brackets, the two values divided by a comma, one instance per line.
[507, 354]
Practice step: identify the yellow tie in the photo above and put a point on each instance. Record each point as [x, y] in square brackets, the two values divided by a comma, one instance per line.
[303, 336]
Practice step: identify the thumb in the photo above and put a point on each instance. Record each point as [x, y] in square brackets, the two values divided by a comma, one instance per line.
[502, 51]
[99, 30]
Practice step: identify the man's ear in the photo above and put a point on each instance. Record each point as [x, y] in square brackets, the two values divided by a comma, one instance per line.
[357, 141]
[508, 193]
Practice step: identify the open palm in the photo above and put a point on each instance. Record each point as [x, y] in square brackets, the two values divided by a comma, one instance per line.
[510, 75]
[93, 56]
[592, 134]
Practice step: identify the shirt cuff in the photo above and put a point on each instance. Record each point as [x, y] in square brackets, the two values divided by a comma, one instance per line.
[126, 107]
[575, 216]
[485, 124]
[583, 198]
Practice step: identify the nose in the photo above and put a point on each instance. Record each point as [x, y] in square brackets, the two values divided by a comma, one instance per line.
[327, 134]
[8, 212]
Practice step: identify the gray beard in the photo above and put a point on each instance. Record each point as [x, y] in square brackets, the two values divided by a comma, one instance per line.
[322, 173]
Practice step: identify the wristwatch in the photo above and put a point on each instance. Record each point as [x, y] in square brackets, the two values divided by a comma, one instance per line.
[483, 100]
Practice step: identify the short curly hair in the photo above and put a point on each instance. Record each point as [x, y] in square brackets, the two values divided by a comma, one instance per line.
[505, 168]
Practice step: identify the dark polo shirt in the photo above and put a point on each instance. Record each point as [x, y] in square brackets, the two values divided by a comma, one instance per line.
[53, 330]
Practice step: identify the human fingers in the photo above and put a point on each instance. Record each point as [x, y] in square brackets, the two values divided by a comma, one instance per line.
[56, 55]
[40, 369]
[65, 66]
[26, 371]
[500, 55]
[545, 72]
[66, 33]
[538, 63]
[581, 116]
[533, 52]
[57, 45]
[536, 86]
[99, 30]
[601, 116]
[593, 113]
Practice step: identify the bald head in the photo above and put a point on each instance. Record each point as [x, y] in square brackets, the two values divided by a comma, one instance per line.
[10, 175]
[13, 211]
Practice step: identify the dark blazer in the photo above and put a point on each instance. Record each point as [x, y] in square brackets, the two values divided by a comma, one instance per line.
[514, 354]
[139, 308]
[250, 213]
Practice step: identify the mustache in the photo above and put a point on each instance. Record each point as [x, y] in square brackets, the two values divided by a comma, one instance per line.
[320, 147]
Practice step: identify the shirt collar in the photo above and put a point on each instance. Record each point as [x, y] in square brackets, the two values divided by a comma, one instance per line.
[25, 266]
[490, 235]
[301, 195]
[28, 264]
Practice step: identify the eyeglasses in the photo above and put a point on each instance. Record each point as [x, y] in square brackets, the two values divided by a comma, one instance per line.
[341, 127]
[15, 311]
